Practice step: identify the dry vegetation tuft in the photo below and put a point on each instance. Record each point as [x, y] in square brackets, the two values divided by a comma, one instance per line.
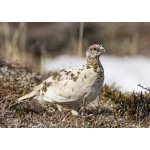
[30, 43]
[115, 108]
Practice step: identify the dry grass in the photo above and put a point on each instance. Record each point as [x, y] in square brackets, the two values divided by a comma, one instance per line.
[14, 47]
[81, 30]
[30, 43]
[115, 109]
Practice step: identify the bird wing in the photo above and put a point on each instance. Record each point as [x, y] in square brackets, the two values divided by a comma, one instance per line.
[69, 85]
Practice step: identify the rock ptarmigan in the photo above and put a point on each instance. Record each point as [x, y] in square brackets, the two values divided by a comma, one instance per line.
[72, 87]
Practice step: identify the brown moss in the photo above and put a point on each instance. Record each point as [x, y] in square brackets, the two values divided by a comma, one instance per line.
[115, 109]
[133, 104]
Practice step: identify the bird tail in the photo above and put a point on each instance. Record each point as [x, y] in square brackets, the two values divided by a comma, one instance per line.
[29, 95]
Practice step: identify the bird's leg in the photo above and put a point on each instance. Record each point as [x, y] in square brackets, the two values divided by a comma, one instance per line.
[59, 107]
[84, 103]
[74, 112]
[98, 104]
[94, 104]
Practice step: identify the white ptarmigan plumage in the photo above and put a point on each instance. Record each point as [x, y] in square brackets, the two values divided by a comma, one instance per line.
[72, 87]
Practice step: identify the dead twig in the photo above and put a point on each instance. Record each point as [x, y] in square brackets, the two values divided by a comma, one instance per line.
[146, 88]
[80, 39]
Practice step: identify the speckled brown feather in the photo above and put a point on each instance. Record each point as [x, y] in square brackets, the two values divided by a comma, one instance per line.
[71, 86]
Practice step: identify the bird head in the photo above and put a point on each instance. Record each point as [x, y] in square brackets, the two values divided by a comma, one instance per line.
[95, 50]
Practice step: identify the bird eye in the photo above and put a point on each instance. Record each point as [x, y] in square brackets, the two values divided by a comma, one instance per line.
[94, 48]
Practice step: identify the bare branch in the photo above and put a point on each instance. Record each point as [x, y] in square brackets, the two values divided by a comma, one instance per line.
[146, 88]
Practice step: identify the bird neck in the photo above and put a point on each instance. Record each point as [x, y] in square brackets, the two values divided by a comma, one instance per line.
[93, 62]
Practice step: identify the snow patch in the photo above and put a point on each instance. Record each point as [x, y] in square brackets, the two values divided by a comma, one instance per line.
[124, 73]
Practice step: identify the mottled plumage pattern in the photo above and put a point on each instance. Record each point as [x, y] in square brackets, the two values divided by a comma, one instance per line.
[72, 87]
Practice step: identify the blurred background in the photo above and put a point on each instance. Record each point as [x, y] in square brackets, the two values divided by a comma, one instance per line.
[25, 42]
[39, 45]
